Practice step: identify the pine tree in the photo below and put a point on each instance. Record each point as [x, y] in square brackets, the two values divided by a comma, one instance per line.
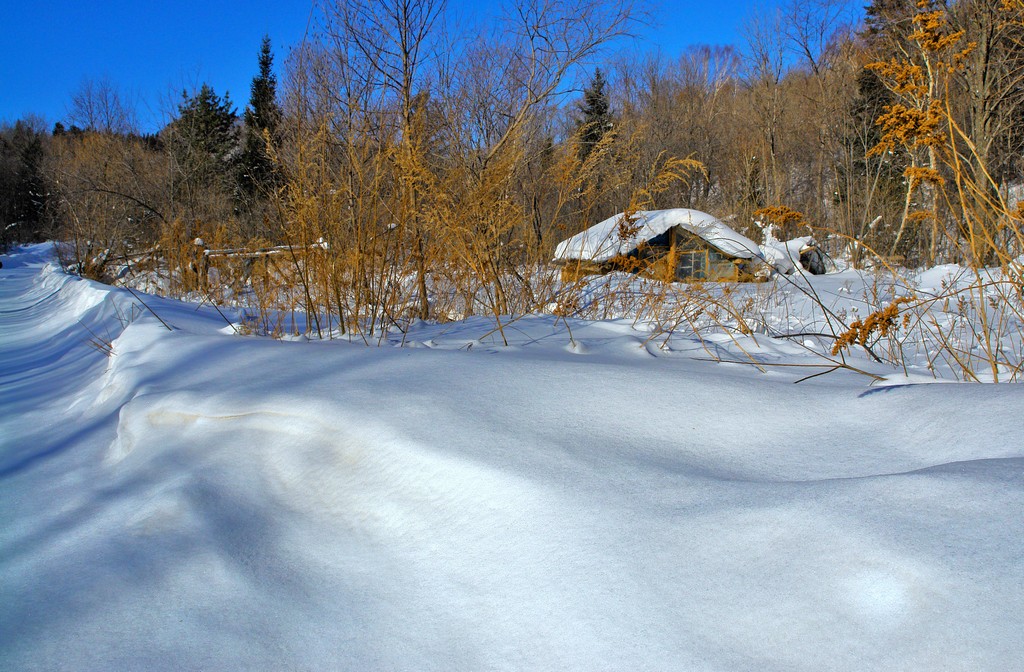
[871, 102]
[887, 20]
[203, 147]
[203, 134]
[23, 191]
[257, 174]
[263, 112]
[597, 118]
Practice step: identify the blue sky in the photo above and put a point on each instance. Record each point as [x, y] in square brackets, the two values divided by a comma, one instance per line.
[152, 51]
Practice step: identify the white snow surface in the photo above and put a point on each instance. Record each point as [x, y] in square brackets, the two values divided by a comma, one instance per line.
[602, 241]
[203, 501]
[785, 256]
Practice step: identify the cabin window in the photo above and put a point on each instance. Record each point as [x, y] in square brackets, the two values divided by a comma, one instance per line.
[692, 264]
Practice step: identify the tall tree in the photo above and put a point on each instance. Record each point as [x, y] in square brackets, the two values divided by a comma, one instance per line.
[992, 86]
[257, 175]
[869, 187]
[202, 142]
[917, 123]
[98, 106]
[888, 21]
[597, 118]
[388, 45]
[23, 189]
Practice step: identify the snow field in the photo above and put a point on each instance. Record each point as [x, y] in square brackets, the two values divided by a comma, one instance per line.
[203, 501]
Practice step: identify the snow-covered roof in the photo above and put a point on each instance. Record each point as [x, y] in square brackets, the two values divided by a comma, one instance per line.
[601, 242]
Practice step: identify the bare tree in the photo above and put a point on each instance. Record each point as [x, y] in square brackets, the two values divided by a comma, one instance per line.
[385, 46]
[97, 105]
[992, 86]
[763, 79]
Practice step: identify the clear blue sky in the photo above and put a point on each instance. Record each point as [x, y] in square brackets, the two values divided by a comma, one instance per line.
[152, 51]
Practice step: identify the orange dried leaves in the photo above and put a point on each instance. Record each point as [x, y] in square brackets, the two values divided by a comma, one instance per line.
[930, 32]
[628, 226]
[908, 127]
[918, 175]
[901, 77]
[881, 322]
[780, 215]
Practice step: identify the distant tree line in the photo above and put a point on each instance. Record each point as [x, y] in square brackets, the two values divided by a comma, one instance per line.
[414, 154]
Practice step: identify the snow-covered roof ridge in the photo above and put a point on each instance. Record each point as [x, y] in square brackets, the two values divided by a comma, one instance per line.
[601, 242]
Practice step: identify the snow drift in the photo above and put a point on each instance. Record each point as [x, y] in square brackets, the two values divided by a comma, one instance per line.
[203, 501]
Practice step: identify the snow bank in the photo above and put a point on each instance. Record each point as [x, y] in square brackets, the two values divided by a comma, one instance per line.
[199, 501]
[602, 241]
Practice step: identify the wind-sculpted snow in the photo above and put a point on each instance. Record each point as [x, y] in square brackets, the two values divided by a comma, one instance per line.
[197, 500]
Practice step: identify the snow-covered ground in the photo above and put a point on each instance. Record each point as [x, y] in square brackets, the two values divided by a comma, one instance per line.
[191, 499]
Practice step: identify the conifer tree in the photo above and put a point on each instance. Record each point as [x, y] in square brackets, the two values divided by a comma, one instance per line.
[202, 143]
[257, 174]
[597, 118]
[888, 21]
[203, 133]
[22, 185]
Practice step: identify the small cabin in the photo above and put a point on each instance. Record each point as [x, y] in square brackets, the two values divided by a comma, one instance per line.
[671, 245]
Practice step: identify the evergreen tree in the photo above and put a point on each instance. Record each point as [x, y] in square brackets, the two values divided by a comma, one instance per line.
[202, 138]
[263, 112]
[871, 102]
[884, 172]
[202, 145]
[23, 189]
[597, 118]
[887, 21]
[256, 171]
[203, 133]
